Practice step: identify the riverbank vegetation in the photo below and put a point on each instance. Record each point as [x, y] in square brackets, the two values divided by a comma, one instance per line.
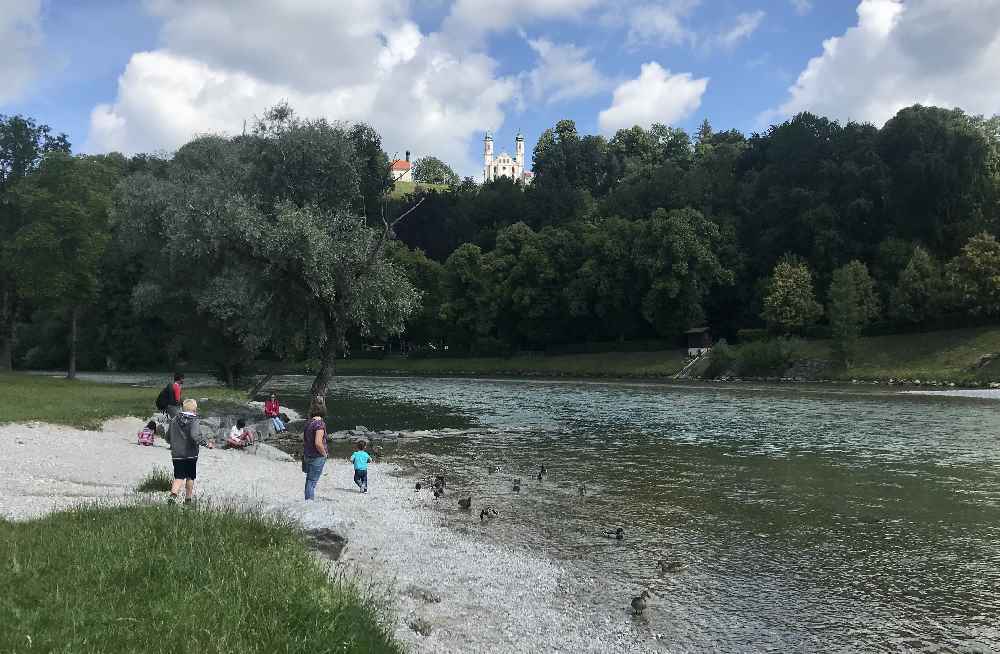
[269, 246]
[146, 579]
[87, 405]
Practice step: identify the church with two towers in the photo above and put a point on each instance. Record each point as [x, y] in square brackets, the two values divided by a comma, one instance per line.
[504, 165]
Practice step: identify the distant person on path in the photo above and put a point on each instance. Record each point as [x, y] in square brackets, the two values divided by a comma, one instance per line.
[314, 450]
[240, 435]
[360, 460]
[272, 410]
[185, 437]
[169, 399]
[148, 433]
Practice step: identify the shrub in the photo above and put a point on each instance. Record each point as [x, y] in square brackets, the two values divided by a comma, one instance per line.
[721, 359]
[767, 357]
[158, 480]
[751, 335]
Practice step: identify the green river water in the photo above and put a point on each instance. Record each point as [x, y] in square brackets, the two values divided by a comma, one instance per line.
[808, 519]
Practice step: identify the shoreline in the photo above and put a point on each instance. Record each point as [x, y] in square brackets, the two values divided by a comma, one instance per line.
[475, 594]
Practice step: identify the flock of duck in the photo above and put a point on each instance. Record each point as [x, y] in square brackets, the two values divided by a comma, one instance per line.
[489, 513]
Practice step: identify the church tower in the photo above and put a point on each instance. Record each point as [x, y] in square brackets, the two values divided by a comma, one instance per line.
[488, 157]
[519, 150]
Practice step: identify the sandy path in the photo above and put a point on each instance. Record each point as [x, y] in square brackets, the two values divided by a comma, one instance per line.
[494, 598]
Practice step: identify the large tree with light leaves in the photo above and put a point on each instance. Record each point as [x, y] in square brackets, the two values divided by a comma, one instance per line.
[266, 234]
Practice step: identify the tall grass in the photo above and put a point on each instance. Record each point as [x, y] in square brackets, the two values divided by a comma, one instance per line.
[157, 480]
[156, 578]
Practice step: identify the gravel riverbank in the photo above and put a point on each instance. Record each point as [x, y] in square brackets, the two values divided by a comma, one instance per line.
[465, 591]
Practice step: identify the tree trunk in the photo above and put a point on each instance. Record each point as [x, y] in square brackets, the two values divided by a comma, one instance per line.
[6, 330]
[74, 318]
[230, 378]
[328, 355]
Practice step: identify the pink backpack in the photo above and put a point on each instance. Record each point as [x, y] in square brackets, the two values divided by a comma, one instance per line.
[146, 436]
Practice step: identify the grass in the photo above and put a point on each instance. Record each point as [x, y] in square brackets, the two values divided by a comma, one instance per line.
[942, 356]
[605, 364]
[403, 189]
[166, 578]
[158, 480]
[81, 404]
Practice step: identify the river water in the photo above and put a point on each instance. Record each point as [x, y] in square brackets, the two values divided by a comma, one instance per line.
[806, 519]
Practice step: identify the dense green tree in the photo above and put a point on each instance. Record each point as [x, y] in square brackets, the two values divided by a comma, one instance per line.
[470, 307]
[23, 143]
[56, 253]
[291, 265]
[920, 291]
[975, 275]
[853, 304]
[790, 302]
[431, 170]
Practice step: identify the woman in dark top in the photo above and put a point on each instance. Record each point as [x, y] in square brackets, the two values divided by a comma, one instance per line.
[314, 446]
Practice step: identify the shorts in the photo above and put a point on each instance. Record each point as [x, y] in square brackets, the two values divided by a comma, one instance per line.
[186, 469]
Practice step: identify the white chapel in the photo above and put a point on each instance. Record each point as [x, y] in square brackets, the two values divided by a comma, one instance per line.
[504, 165]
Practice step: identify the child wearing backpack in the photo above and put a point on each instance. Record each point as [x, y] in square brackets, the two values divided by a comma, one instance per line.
[148, 433]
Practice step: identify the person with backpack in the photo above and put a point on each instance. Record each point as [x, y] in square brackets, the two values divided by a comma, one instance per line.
[169, 399]
[185, 437]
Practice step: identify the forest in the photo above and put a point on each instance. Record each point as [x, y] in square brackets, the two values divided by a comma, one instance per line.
[286, 243]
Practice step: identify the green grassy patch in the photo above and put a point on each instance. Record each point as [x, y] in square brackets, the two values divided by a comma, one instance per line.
[605, 364]
[402, 189]
[167, 578]
[81, 404]
[944, 356]
[157, 480]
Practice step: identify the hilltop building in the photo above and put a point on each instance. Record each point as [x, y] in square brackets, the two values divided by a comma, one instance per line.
[401, 169]
[505, 165]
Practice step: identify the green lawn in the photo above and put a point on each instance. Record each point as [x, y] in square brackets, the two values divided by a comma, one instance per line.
[943, 356]
[605, 364]
[402, 189]
[159, 578]
[81, 404]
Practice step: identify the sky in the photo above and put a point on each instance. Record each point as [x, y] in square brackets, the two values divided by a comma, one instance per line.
[433, 75]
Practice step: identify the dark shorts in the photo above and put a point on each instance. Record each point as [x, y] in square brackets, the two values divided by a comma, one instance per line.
[186, 469]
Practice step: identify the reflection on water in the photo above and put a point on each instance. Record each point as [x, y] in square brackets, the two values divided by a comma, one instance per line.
[806, 520]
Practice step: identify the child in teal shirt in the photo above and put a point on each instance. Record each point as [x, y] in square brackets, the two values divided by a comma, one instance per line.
[360, 460]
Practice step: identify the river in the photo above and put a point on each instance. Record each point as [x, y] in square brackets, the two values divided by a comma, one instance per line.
[806, 519]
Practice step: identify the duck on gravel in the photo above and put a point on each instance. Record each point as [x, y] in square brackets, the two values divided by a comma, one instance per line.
[639, 603]
[465, 502]
[418, 486]
[489, 512]
[617, 534]
[439, 482]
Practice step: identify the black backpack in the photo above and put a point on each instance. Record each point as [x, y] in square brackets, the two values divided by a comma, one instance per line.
[163, 399]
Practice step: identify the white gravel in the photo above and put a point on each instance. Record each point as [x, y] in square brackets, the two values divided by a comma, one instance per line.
[494, 598]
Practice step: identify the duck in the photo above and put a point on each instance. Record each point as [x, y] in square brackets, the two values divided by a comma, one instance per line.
[439, 482]
[639, 603]
[517, 485]
[497, 469]
[418, 486]
[670, 566]
[583, 490]
[488, 513]
[465, 502]
[438, 492]
[617, 534]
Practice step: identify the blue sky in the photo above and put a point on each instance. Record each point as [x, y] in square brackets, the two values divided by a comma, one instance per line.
[432, 75]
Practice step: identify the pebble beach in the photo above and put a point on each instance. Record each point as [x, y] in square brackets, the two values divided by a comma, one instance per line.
[451, 587]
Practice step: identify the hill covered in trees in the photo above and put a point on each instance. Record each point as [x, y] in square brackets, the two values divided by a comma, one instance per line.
[810, 227]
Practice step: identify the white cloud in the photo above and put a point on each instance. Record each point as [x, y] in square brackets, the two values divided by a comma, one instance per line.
[661, 23]
[802, 7]
[415, 88]
[656, 96]
[741, 29]
[21, 36]
[926, 51]
[564, 72]
[471, 19]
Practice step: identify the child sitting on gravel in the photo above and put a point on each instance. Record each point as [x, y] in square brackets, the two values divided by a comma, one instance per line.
[148, 433]
[360, 460]
[239, 436]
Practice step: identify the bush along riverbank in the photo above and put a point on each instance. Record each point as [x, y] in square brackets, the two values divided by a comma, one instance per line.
[143, 578]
